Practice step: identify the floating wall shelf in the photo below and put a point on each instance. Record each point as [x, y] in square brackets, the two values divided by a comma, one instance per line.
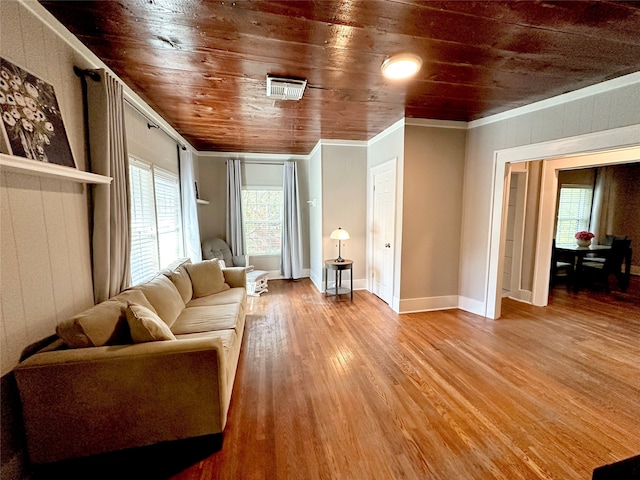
[11, 163]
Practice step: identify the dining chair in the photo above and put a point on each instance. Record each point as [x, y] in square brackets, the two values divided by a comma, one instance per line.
[599, 272]
[608, 241]
[560, 267]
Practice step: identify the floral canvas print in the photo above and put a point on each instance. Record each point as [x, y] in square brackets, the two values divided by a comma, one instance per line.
[31, 122]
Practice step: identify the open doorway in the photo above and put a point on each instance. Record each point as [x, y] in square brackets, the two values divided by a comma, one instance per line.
[604, 201]
[600, 148]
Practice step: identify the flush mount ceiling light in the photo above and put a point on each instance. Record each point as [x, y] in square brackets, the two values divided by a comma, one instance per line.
[401, 66]
[285, 88]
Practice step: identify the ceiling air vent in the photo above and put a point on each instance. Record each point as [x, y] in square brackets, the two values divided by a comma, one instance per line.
[285, 88]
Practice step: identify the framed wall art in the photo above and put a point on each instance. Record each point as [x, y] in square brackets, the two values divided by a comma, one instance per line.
[32, 125]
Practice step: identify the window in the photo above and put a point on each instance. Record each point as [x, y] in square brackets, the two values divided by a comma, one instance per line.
[262, 214]
[574, 211]
[168, 216]
[156, 219]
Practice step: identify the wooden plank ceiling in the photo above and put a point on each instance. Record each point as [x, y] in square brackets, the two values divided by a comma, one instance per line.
[202, 65]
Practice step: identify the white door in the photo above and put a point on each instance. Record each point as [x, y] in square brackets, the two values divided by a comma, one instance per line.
[382, 230]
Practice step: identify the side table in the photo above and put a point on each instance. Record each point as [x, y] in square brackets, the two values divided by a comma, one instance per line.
[338, 267]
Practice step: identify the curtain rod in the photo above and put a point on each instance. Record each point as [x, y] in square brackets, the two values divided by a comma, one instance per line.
[151, 124]
[95, 76]
[258, 162]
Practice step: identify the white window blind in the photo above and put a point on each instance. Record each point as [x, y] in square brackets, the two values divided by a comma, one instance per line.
[574, 212]
[168, 216]
[262, 216]
[144, 239]
[156, 219]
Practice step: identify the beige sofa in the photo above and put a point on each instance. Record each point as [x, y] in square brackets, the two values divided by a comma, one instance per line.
[155, 363]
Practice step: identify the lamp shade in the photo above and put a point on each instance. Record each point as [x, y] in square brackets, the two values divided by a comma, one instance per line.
[339, 234]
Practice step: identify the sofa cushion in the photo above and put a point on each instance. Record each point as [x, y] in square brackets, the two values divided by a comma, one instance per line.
[102, 324]
[233, 295]
[164, 297]
[180, 278]
[133, 296]
[206, 319]
[207, 278]
[146, 326]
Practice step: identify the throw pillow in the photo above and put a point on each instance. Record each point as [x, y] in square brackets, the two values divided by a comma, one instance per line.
[182, 281]
[146, 326]
[102, 324]
[163, 295]
[207, 278]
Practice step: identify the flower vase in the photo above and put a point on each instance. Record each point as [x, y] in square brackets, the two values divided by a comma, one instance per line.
[583, 243]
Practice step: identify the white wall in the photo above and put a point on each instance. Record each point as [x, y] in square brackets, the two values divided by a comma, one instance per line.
[315, 217]
[212, 175]
[582, 114]
[150, 144]
[432, 216]
[45, 263]
[344, 204]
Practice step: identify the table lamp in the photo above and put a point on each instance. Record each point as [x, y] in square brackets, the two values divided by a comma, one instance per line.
[339, 234]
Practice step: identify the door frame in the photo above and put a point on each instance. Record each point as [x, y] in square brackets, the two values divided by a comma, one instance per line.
[519, 173]
[392, 165]
[578, 146]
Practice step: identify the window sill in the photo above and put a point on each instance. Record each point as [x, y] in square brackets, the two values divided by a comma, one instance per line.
[11, 163]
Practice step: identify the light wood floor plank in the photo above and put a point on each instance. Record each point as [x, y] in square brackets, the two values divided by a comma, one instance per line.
[350, 390]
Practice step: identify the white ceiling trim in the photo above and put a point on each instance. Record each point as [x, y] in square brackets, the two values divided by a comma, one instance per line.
[427, 122]
[624, 81]
[251, 156]
[345, 143]
[387, 131]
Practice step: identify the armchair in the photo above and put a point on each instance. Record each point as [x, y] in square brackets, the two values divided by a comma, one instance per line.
[218, 249]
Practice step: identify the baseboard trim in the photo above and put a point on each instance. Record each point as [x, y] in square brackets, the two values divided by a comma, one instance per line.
[428, 304]
[317, 280]
[472, 306]
[523, 296]
[275, 274]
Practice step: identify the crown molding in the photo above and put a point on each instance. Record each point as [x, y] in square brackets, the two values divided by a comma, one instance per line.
[427, 122]
[344, 143]
[388, 131]
[603, 87]
[315, 149]
[251, 156]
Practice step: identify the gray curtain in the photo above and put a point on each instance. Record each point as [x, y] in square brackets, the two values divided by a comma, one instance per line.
[189, 207]
[108, 156]
[291, 259]
[235, 228]
[604, 201]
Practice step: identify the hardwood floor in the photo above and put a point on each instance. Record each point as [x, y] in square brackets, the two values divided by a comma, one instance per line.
[351, 390]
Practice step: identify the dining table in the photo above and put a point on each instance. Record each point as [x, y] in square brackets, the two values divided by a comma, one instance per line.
[566, 250]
